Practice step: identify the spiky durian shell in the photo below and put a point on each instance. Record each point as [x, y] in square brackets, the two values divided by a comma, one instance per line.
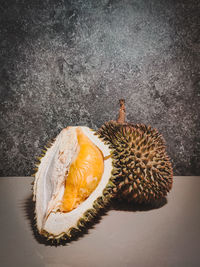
[141, 164]
[87, 219]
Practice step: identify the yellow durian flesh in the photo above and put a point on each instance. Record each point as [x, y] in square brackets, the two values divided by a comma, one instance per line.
[84, 174]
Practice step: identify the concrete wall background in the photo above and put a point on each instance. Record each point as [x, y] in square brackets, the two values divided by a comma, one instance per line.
[69, 62]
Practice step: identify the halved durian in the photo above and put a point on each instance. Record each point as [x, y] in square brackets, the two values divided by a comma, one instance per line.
[73, 182]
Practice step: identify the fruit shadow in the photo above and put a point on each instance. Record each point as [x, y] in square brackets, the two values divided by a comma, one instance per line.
[124, 205]
[121, 205]
[29, 208]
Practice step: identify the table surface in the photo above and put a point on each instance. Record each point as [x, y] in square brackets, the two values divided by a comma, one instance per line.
[164, 234]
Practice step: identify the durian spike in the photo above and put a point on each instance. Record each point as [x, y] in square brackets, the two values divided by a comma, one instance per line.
[122, 112]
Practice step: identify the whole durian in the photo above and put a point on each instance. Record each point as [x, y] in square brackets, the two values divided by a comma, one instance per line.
[140, 162]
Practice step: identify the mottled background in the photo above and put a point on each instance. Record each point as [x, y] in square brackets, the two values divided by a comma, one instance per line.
[69, 62]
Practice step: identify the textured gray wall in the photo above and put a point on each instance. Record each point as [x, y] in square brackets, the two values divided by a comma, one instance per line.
[69, 62]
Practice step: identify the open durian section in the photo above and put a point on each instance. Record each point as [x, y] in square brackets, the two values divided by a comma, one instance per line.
[84, 173]
[60, 176]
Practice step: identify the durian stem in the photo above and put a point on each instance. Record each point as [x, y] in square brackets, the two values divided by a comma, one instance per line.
[122, 112]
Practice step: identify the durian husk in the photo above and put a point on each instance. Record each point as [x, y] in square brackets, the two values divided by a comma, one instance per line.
[141, 165]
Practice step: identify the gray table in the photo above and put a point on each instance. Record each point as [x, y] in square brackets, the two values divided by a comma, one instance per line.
[166, 234]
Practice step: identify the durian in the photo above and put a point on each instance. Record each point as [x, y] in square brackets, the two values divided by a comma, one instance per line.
[82, 170]
[73, 183]
[140, 161]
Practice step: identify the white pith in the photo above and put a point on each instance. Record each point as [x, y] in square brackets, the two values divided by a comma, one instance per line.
[50, 180]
